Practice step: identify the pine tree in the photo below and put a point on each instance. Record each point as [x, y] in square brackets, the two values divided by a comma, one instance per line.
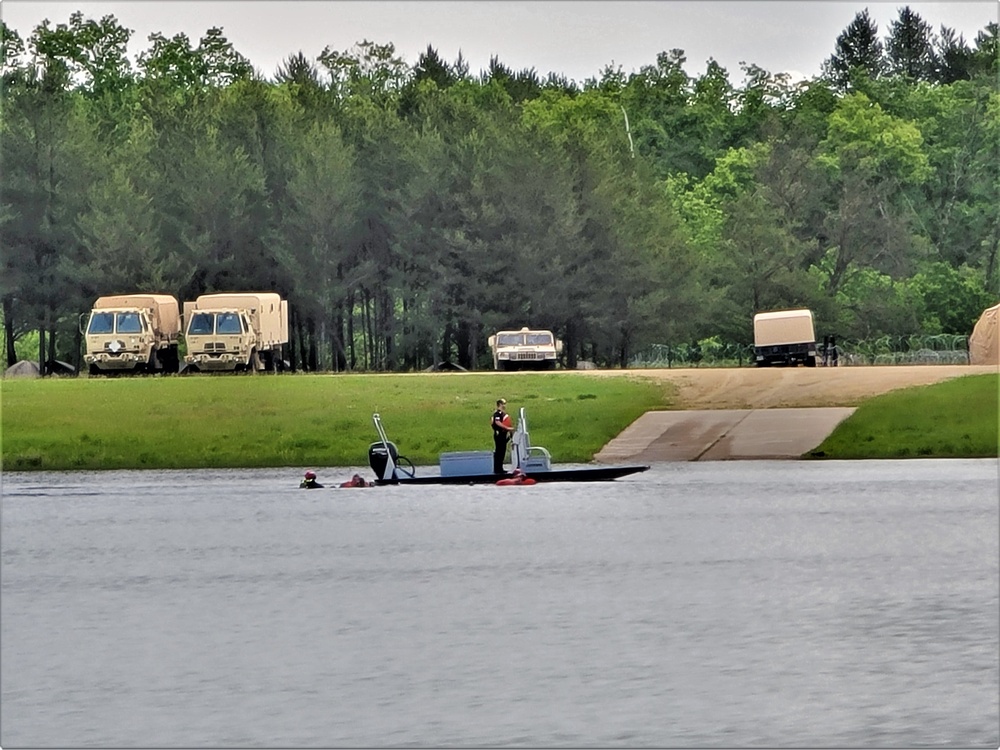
[430, 66]
[858, 50]
[954, 57]
[910, 47]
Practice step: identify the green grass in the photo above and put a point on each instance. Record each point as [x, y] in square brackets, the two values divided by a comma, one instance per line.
[302, 420]
[325, 420]
[954, 419]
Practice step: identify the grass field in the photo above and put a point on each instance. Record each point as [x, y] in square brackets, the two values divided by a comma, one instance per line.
[302, 420]
[325, 420]
[954, 419]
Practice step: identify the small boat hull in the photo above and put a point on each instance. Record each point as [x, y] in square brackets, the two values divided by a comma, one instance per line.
[582, 474]
[469, 467]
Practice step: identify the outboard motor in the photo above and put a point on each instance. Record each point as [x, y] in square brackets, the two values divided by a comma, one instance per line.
[378, 457]
[384, 458]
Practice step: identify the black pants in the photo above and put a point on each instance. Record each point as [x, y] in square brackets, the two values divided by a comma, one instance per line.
[499, 451]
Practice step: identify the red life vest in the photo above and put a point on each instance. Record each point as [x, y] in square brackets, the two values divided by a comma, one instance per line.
[518, 479]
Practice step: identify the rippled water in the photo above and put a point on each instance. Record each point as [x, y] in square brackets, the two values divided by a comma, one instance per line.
[792, 604]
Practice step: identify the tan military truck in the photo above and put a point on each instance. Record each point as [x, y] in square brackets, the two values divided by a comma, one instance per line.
[784, 337]
[526, 349]
[133, 333]
[237, 331]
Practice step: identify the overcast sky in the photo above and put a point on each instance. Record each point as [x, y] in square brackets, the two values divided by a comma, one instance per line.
[573, 38]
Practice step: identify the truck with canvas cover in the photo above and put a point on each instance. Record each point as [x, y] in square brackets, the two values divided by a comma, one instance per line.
[784, 337]
[526, 349]
[133, 333]
[235, 332]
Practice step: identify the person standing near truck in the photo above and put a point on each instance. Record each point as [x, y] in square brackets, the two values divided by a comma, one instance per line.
[502, 429]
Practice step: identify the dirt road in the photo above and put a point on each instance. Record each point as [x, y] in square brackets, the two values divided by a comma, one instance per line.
[785, 387]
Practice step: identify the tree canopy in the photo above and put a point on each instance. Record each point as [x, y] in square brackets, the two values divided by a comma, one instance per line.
[409, 211]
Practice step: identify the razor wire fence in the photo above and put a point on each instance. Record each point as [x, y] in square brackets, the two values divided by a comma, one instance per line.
[939, 349]
[920, 349]
[714, 354]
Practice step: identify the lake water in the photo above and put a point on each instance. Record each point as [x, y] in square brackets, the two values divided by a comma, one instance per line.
[728, 604]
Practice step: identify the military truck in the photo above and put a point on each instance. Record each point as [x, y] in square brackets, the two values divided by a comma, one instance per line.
[133, 333]
[784, 337]
[526, 349]
[235, 332]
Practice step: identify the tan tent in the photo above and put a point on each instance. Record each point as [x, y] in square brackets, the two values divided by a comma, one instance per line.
[22, 369]
[984, 343]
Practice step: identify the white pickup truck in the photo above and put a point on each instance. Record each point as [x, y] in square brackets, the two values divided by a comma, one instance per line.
[526, 349]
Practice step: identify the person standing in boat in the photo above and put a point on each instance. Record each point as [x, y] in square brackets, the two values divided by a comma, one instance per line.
[503, 426]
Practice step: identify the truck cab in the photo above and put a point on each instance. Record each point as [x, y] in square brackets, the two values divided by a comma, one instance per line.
[219, 340]
[235, 331]
[526, 349]
[132, 333]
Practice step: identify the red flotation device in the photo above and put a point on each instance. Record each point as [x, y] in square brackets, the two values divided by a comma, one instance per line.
[519, 478]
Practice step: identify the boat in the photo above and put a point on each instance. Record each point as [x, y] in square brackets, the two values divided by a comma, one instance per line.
[476, 467]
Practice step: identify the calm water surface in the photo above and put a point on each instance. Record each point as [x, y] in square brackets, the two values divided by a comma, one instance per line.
[773, 604]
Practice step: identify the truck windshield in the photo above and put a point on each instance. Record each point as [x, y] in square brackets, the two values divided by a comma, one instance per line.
[201, 324]
[101, 322]
[535, 338]
[129, 322]
[228, 323]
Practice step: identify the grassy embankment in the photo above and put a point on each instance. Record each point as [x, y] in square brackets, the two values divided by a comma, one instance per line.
[324, 420]
[954, 419]
[302, 420]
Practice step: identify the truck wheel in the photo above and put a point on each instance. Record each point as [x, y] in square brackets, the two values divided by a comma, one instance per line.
[170, 359]
[152, 366]
[94, 371]
[810, 361]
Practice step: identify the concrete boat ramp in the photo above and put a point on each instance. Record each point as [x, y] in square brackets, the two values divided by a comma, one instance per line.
[725, 434]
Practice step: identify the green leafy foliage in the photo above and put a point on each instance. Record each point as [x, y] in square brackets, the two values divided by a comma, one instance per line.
[409, 211]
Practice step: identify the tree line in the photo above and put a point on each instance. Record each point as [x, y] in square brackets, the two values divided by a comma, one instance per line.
[409, 211]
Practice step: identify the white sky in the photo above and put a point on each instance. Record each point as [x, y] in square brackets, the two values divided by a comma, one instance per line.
[576, 39]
